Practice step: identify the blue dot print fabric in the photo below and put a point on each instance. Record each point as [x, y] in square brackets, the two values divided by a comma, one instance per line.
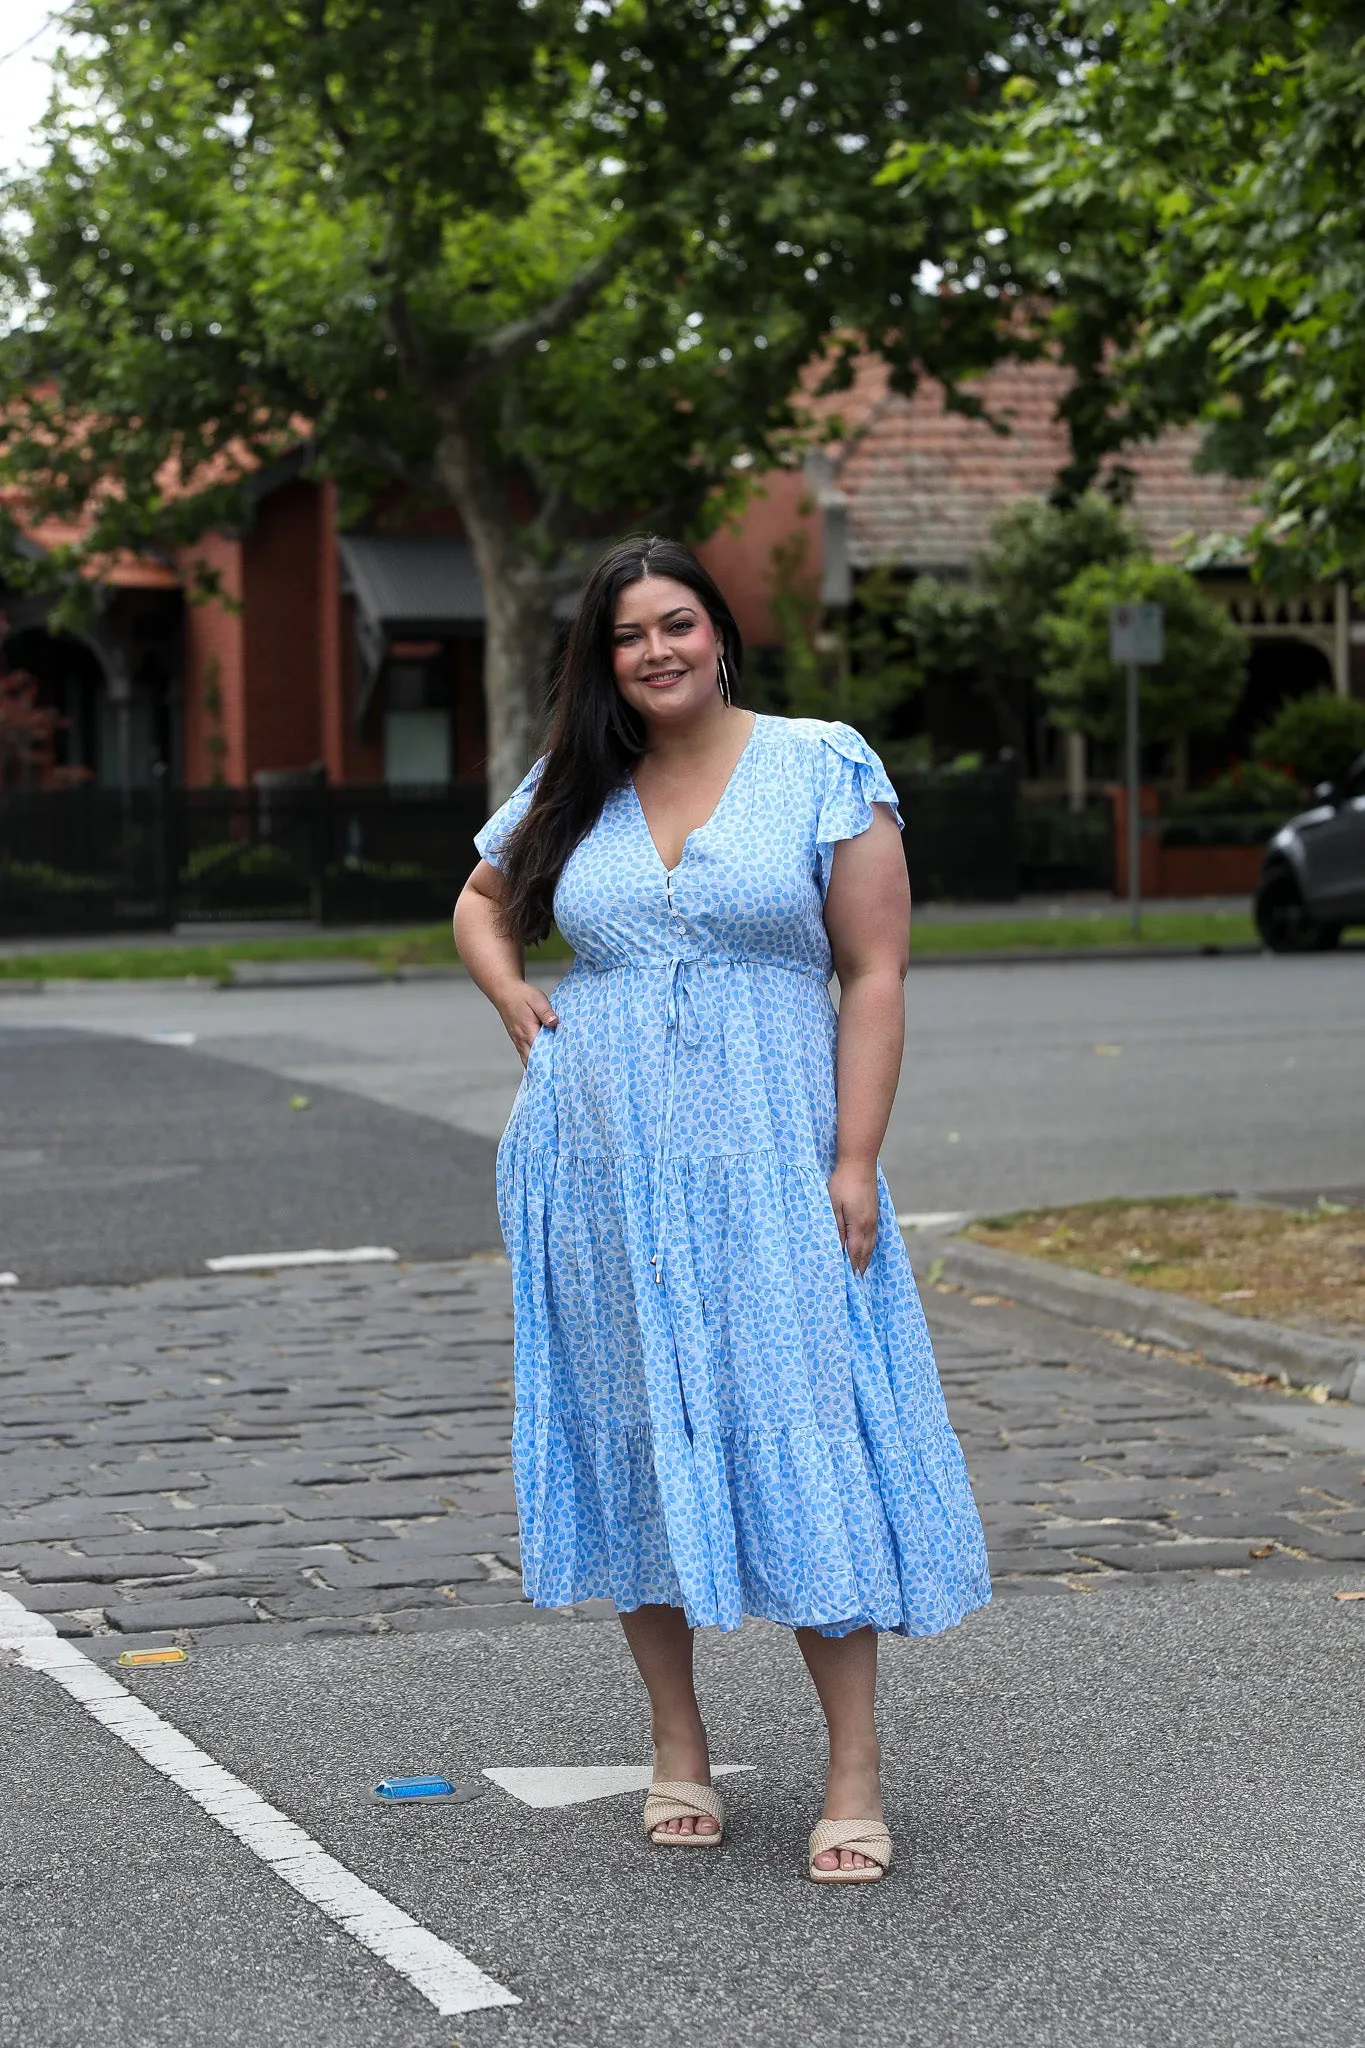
[713, 1410]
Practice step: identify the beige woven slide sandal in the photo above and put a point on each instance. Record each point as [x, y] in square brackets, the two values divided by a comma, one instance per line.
[675, 1799]
[870, 1838]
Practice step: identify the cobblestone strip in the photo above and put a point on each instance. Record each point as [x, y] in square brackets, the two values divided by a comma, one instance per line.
[325, 1450]
[329, 1451]
[1096, 1461]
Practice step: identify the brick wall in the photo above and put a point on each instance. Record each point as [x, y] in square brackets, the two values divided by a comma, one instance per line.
[214, 716]
[740, 555]
[281, 561]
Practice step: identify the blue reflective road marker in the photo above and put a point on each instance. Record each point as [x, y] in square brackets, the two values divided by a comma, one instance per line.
[436, 1790]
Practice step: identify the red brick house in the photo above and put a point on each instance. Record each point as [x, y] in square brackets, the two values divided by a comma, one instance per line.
[917, 486]
[361, 652]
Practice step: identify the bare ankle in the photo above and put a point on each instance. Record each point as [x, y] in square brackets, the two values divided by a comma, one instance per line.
[677, 1730]
[680, 1748]
[858, 1757]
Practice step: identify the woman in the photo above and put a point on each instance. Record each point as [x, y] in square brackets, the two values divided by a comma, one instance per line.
[726, 1398]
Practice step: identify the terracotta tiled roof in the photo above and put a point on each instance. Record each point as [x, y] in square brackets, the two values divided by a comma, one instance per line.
[923, 484]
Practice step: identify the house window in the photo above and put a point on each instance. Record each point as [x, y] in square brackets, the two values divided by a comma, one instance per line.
[417, 723]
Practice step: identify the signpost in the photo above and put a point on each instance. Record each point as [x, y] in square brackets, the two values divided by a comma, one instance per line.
[1136, 640]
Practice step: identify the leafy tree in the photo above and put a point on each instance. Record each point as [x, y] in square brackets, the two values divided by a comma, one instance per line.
[1181, 218]
[1248, 788]
[986, 635]
[1194, 689]
[556, 262]
[954, 629]
[1317, 736]
[860, 669]
[1037, 549]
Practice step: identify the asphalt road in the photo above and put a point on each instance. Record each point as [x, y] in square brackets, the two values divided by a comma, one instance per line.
[1127, 1796]
[121, 1160]
[1125, 1819]
[1022, 1085]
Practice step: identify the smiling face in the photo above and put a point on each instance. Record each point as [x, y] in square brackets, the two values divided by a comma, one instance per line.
[664, 650]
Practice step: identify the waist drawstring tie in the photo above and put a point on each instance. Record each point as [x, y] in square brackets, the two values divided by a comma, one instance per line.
[685, 1012]
[682, 1027]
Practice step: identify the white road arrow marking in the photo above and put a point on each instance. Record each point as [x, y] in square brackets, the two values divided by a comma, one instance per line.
[573, 1787]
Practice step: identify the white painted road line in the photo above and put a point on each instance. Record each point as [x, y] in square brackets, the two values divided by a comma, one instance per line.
[932, 1219]
[445, 1978]
[571, 1787]
[251, 1262]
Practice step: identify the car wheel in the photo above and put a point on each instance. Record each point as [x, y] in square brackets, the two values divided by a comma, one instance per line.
[1283, 922]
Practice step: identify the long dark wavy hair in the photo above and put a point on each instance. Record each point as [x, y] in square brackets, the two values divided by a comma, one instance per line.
[595, 738]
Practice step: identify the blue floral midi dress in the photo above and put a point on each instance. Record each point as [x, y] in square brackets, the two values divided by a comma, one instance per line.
[713, 1410]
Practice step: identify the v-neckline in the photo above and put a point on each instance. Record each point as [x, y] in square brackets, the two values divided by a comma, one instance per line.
[716, 808]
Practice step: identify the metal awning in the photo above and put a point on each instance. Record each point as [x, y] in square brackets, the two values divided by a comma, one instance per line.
[406, 586]
[413, 586]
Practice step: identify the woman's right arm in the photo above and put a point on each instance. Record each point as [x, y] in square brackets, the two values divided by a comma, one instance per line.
[496, 962]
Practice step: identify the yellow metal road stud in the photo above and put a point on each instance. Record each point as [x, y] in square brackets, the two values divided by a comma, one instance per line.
[153, 1656]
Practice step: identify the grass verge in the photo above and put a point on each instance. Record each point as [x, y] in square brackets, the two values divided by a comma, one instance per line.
[1105, 928]
[419, 946]
[430, 945]
[1304, 1268]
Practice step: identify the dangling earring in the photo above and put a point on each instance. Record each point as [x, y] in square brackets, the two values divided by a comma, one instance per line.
[723, 677]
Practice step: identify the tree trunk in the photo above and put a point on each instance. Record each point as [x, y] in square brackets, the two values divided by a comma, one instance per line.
[517, 650]
[519, 599]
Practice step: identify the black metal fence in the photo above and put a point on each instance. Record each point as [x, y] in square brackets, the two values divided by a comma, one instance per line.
[1061, 849]
[961, 833]
[94, 860]
[98, 860]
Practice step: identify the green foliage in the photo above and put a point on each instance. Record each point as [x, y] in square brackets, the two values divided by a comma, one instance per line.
[563, 265]
[27, 881]
[986, 635]
[428, 945]
[1036, 550]
[955, 629]
[860, 669]
[864, 668]
[235, 874]
[1253, 787]
[1317, 736]
[1196, 687]
[1181, 218]
[232, 857]
[796, 614]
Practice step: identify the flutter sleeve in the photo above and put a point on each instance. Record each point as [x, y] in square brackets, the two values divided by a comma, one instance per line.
[854, 780]
[491, 838]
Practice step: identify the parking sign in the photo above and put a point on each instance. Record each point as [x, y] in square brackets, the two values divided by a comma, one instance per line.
[1136, 634]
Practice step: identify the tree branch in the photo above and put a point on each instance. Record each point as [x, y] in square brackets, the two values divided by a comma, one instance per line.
[519, 337]
[408, 342]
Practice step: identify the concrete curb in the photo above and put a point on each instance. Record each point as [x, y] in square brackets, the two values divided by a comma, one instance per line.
[338, 973]
[1297, 1357]
[341, 972]
[1030, 956]
[287, 975]
[93, 984]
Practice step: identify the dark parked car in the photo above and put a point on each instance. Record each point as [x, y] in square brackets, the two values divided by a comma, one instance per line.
[1313, 875]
